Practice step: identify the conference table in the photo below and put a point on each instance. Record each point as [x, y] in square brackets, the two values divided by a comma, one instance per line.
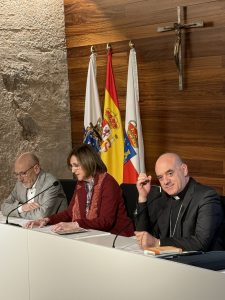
[38, 264]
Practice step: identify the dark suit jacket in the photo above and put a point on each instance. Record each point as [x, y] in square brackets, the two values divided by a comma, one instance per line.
[199, 224]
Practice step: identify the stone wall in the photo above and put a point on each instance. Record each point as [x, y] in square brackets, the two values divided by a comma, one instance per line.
[34, 97]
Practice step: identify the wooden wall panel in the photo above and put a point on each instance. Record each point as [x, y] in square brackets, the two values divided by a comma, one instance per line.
[189, 122]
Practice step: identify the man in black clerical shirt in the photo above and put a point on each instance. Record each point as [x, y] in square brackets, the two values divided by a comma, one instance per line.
[185, 214]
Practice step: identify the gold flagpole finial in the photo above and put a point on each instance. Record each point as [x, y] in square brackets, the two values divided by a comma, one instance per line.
[131, 44]
[108, 46]
[92, 49]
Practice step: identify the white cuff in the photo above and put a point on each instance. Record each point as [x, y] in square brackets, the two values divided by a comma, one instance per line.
[20, 210]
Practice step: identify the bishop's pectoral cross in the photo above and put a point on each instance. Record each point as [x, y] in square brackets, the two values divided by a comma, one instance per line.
[177, 27]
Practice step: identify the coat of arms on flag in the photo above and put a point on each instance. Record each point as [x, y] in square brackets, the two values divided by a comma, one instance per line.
[93, 135]
[131, 141]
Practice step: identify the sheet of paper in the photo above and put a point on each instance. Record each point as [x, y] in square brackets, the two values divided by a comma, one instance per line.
[81, 235]
[131, 246]
[19, 221]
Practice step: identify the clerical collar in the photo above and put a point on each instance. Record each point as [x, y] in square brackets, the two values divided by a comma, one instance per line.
[181, 195]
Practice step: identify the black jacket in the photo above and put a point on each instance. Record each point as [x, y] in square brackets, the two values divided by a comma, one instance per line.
[200, 223]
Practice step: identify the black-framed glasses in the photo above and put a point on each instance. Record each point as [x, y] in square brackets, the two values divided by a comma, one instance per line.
[23, 174]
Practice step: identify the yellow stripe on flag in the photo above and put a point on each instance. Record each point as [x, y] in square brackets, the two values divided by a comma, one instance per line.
[112, 148]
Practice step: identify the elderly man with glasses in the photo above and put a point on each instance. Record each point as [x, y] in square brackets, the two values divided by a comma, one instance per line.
[31, 181]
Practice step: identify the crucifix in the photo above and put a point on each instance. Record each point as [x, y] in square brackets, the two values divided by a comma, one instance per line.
[177, 27]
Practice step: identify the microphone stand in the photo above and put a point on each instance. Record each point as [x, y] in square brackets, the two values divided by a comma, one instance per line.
[114, 241]
[136, 214]
[55, 183]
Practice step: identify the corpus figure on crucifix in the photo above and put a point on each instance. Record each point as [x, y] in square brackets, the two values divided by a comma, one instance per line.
[177, 27]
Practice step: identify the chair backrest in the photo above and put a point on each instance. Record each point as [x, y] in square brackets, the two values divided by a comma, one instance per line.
[222, 199]
[68, 186]
[130, 196]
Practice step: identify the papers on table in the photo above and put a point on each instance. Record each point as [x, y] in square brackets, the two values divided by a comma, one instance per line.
[14, 220]
[71, 231]
[85, 233]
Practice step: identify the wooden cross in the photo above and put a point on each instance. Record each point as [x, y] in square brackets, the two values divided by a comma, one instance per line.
[177, 27]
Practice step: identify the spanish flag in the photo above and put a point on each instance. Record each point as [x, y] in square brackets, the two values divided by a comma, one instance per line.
[112, 148]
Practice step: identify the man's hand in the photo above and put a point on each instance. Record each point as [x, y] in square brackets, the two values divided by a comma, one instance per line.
[29, 206]
[37, 223]
[143, 186]
[145, 239]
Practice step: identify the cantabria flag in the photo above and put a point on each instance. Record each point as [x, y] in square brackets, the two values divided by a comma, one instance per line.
[133, 146]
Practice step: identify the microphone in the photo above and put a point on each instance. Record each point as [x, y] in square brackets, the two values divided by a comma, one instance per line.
[55, 183]
[125, 227]
[136, 214]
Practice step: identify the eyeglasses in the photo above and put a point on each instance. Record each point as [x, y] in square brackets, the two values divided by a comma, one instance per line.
[75, 166]
[23, 174]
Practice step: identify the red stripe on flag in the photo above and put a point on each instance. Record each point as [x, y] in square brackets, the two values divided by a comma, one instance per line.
[130, 174]
[110, 80]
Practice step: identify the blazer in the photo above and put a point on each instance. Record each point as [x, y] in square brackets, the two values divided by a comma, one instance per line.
[51, 201]
[111, 215]
[198, 226]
